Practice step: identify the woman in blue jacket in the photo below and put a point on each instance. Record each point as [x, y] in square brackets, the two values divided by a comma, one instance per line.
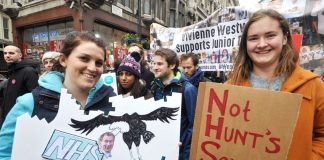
[82, 61]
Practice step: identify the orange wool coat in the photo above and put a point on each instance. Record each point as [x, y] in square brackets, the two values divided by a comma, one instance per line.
[311, 116]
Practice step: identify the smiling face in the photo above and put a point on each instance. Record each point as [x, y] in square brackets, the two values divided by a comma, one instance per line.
[265, 41]
[83, 67]
[161, 68]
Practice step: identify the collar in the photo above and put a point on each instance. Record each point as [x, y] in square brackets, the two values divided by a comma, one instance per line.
[196, 75]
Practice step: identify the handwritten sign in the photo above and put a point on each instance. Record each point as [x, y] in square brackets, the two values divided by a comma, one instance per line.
[239, 123]
[129, 132]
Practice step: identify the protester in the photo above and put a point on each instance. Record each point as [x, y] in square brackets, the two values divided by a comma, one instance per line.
[168, 79]
[146, 64]
[22, 78]
[318, 11]
[137, 52]
[48, 60]
[189, 64]
[267, 60]
[3, 86]
[129, 79]
[82, 60]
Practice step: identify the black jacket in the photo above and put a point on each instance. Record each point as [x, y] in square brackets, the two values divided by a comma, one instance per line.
[147, 76]
[22, 78]
[46, 102]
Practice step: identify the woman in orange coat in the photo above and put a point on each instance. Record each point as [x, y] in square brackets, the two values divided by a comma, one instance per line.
[267, 60]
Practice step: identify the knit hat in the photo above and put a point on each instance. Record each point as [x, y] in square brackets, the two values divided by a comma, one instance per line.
[51, 55]
[130, 65]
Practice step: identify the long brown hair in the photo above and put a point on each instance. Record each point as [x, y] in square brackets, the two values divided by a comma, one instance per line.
[243, 64]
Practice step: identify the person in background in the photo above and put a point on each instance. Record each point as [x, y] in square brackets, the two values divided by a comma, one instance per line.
[268, 60]
[145, 64]
[129, 79]
[318, 11]
[3, 86]
[22, 78]
[48, 60]
[137, 52]
[82, 61]
[194, 74]
[168, 79]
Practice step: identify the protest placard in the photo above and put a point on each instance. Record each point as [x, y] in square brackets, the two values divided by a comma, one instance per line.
[141, 129]
[240, 123]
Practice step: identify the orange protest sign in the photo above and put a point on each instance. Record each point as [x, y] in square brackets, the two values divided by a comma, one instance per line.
[240, 123]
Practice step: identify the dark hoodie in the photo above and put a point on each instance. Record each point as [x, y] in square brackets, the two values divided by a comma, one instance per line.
[22, 78]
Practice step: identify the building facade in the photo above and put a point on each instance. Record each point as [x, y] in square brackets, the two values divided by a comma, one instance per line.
[5, 35]
[38, 26]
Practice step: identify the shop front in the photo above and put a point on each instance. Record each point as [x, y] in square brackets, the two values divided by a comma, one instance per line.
[112, 37]
[48, 37]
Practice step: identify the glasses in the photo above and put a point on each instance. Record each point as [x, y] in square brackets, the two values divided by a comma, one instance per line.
[11, 53]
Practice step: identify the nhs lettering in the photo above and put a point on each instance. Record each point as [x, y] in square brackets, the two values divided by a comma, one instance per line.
[71, 147]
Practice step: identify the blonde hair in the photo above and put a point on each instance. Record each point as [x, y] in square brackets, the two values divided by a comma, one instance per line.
[243, 64]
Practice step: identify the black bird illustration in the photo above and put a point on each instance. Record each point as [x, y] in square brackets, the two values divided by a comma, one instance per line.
[137, 126]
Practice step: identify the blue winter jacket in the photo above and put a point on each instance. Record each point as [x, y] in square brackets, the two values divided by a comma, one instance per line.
[198, 77]
[189, 97]
[53, 82]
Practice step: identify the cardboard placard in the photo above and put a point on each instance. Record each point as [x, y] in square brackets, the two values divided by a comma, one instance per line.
[241, 123]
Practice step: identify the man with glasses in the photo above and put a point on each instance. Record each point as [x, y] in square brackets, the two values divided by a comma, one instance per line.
[22, 78]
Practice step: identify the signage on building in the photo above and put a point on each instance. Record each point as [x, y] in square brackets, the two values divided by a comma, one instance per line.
[117, 11]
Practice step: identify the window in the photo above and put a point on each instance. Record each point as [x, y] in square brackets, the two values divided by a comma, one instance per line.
[172, 18]
[164, 10]
[173, 4]
[181, 10]
[46, 37]
[147, 6]
[172, 13]
[159, 11]
[126, 3]
[6, 27]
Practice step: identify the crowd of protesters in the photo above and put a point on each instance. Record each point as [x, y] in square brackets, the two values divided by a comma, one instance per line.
[81, 62]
